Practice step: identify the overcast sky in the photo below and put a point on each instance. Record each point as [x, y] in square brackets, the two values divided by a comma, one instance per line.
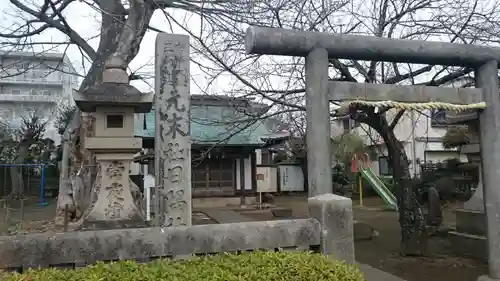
[86, 21]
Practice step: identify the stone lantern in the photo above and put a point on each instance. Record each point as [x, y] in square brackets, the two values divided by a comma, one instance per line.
[114, 103]
[469, 239]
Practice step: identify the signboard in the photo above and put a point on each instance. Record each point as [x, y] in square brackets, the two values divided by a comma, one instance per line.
[291, 178]
[266, 179]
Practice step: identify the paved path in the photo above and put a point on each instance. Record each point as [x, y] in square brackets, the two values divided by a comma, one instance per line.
[225, 215]
[373, 274]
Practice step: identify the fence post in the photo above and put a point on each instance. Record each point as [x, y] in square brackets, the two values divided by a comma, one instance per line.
[43, 202]
[334, 213]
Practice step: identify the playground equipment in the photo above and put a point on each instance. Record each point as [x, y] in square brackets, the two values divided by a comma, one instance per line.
[362, 166]
[6, 179]
[379, 187]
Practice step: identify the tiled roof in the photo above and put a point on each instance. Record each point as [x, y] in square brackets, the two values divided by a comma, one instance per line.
[213, 124]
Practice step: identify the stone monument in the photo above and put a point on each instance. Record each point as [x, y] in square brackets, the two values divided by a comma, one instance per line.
[469, 239]
[113, 102]
[172, 139]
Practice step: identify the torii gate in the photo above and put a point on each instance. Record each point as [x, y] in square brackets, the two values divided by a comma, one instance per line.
[318, 47]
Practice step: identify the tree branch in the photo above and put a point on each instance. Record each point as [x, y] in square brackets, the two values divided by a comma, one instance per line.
[73, 35]
[396, 119]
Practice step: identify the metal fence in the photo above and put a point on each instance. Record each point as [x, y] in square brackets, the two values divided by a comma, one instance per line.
[24, 200]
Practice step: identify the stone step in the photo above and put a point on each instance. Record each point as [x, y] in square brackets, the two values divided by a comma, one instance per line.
[469, 245]
[224, 215]
[470, 222]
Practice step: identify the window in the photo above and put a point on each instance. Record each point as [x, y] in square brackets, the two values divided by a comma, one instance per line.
[348, 124]
[438, 117]
[114, 121]
[16, 92]
[384, 168]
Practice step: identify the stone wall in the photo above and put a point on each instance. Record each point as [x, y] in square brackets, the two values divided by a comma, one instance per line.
[329, 231]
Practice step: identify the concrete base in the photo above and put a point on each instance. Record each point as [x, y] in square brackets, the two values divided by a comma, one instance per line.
[486, 278]
[471, 222]
[374, 274]
[282, 212]
[134, 222]
[469, 245]
[469, 238]
[219, 202]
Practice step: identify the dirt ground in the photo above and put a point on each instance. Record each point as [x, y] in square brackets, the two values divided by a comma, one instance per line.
[40, 218]
[381, 252]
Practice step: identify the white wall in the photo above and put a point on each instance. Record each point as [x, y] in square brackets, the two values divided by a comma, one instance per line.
[248, 174]
[421, 141]
[336, 129]
[410, 125]
[424, 152]
[258, 156]
[135, 168]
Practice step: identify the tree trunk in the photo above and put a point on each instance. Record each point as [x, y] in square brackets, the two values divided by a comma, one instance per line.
[411, 219]
[64, 197]
[16, 183]
[16, 172]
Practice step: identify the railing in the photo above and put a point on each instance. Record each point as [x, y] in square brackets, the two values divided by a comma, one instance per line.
[36, 76]
[330, 231]
[26, 97]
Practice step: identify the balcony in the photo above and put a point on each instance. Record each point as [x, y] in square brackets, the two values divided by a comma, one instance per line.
[28, 98]
[31, 77]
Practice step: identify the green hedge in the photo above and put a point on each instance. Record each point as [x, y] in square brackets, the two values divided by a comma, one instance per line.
[255, 266]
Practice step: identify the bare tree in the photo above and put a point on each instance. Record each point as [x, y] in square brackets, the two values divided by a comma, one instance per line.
[281, 83]
[27, 136]
[218, 52]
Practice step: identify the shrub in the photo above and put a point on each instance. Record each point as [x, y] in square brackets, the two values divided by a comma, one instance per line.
[255, 266]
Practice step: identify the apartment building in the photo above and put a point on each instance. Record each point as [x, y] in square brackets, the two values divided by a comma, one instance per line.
[420, 133]
[35, 82]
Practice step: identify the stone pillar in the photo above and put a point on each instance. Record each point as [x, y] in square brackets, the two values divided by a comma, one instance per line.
[469, 238]
[172, 139]
[476, 202]
[335, 215]
[319, 164]
[117, 200]
[487, 80]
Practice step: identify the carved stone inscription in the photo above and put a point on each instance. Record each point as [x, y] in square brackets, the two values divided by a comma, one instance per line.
[114, 205]
[172, 139]
[114, 198]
